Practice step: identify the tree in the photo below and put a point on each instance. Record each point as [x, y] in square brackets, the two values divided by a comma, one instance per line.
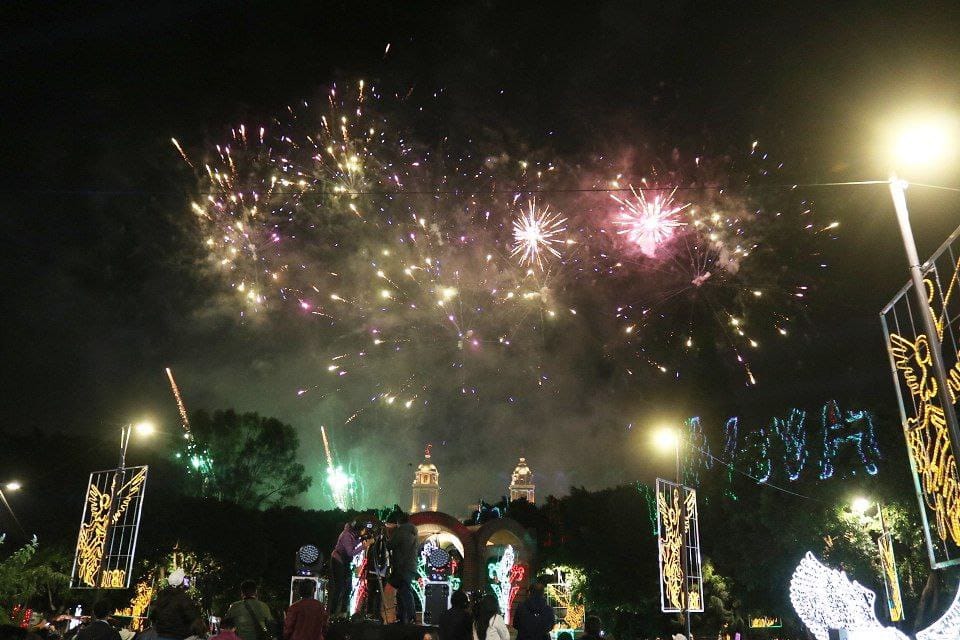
[27, 574]
[244, 458]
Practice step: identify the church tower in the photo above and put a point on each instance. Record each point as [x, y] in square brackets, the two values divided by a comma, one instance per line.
[426, 486]
[521, 482]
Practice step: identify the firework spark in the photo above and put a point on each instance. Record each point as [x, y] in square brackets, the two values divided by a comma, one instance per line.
[648, 223]
[535, 232]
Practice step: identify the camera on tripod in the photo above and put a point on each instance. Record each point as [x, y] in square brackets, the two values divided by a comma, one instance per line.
[369, 528]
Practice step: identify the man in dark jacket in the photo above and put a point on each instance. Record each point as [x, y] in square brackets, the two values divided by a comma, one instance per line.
[456, 622]
[173, 612]
[403, 567]
[99, 628]
[534, 618]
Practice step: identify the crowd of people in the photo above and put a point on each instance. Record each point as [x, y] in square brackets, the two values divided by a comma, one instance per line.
[392, 559]
[175, 616]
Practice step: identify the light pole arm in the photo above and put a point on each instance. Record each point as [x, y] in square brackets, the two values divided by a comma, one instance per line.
[898, 193]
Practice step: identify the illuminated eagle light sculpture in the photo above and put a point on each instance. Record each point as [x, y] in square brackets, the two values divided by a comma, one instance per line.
[825, 599]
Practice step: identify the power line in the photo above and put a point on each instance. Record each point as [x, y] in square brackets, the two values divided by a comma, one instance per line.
[529, 191]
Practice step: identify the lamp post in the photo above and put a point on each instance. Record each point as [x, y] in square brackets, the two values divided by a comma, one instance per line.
[859, 507]
[143, 428]
[666, 438]
[924, 141]
[11, 487]
[898, 192]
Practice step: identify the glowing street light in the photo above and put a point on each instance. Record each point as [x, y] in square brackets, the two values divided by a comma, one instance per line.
[666, 438]
[145, 428]
[11, 486]
[860, 505]
[142, 428]
[924, 141]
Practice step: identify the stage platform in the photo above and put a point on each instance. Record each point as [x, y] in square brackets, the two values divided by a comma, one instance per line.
[371, 631]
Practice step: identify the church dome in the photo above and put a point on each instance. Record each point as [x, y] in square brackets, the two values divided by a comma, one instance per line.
[522, 474]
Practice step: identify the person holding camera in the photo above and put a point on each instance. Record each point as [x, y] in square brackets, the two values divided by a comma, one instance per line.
[348, 545]
[403, 567]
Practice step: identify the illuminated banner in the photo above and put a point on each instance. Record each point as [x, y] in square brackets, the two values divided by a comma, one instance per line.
[923, 416]
[678, 530]
[765, 622]
[108, 530]
[891, 579]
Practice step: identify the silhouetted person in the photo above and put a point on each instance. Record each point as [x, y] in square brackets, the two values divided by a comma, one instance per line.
[306, 619]
[228, 629]
[534, 618]
[488, 623]
[455, 622]
[591, 629]
[250, 615]
[174, 612]
[99, 628]
[403, 567]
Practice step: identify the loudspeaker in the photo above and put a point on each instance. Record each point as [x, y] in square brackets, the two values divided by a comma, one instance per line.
[436, 601]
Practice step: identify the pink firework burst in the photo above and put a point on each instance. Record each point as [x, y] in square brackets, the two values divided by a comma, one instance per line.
[648, 223]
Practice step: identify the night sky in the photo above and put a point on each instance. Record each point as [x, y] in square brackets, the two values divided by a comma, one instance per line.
[101, 261]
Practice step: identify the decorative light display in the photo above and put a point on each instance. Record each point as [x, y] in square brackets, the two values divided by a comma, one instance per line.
[825, 598]
[358, 581]
[923, 412]
[765, 622]
[947, 627]
[651, 499]
[794, 437]
[757, 450]
[853, 428]
[678, 527]
[564, 595]
[781, 448]
[108, 529]
[21, 616]
[439, 564]
[505, 576]
[891, 579]
[137, 609]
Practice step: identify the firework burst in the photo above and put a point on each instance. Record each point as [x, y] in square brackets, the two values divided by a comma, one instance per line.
[648, 223]
[535, 233]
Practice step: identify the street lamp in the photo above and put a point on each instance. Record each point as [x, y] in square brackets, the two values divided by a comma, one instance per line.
[12, 486]
[924, 142]
[860, 505]
[143, 428]
[667, 438]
